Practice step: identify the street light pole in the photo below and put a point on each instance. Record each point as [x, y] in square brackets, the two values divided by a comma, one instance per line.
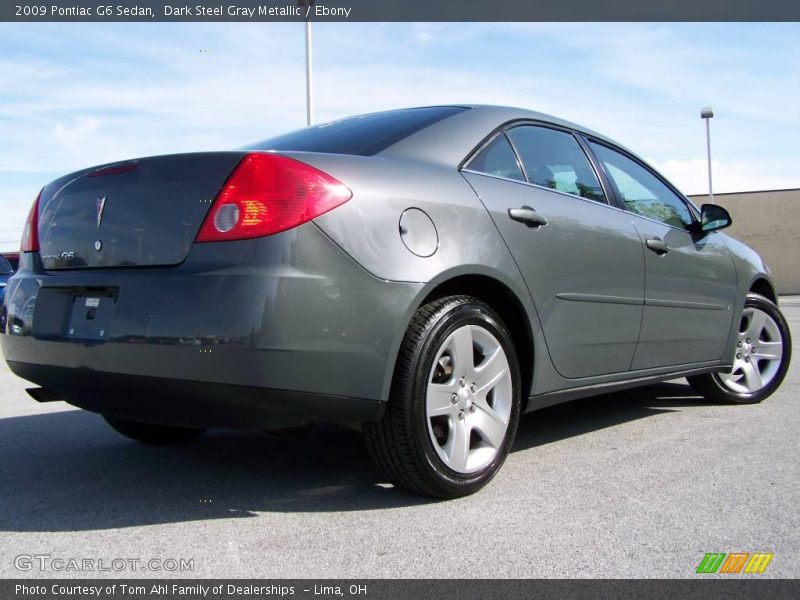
[308, 4]
[708, 114]
[309, 112]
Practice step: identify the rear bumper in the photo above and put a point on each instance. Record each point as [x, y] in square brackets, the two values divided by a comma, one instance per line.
[189, 403]
[240, 331]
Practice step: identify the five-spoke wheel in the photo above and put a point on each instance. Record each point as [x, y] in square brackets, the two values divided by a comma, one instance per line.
[468, 400]
[759, 352]
[761, 357]
[455, 401]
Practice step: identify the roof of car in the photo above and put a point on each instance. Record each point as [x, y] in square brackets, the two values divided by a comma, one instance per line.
[450, 140]
[509, 113]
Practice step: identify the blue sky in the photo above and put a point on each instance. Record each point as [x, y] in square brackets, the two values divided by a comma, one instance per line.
[74, 95]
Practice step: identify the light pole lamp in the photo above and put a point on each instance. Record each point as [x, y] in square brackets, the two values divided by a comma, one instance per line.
[708, 114]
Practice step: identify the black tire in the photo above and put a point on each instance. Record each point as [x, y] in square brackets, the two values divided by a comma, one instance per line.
[400, 443]
[149, 433]
[713, 388]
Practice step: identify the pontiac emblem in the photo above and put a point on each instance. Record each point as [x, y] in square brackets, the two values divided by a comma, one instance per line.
[101, 204]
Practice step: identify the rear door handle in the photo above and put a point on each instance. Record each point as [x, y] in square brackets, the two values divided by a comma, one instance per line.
[528, 216]
[658, 246]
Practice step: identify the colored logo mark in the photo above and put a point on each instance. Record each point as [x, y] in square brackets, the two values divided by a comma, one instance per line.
[735, 562]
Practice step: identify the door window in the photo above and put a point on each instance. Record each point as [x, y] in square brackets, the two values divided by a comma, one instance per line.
[642, 192]
[554, 159]
[498, 159]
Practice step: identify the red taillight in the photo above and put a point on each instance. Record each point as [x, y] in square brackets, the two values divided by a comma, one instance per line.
[30, 235]
[269, 193]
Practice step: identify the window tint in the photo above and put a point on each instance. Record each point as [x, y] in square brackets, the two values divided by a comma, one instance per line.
[555, 159]
[497, 159]
[643, 192]
[363, 135]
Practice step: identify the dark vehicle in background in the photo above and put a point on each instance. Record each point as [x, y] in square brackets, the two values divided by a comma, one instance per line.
[6, 270]
[427, 274]
[12, 258]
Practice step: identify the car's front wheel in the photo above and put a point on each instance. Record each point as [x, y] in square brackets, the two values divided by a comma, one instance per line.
[763, 352]
[455, 401]
[149, 433]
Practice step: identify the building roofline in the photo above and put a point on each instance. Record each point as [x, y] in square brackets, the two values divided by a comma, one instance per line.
[746, 192]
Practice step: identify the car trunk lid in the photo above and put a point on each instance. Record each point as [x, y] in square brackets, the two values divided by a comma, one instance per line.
[140, 213]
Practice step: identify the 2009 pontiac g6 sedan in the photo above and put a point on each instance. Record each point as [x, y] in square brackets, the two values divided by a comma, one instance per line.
[427, 273]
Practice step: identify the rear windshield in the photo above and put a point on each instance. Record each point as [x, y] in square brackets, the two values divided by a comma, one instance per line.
[5, 268]
[364, 135]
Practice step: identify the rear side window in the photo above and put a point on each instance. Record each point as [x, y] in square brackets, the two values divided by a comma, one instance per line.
[642, 192]
[363, 135]
[497, 158]
[554, 159]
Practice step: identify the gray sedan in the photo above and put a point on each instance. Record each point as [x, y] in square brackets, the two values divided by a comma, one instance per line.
[425, 274]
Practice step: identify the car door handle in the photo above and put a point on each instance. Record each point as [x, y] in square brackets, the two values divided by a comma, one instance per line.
[528, 216]
[658, 246]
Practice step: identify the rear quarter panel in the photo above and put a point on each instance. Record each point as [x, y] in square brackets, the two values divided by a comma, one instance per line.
[367, 226]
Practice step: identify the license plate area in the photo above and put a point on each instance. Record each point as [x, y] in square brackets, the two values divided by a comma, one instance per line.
[75, 314]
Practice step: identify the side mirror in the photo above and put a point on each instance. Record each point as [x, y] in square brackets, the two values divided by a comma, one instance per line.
[714, 217]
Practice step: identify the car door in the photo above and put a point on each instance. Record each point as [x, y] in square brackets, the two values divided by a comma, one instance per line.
[690, 283]
[581, 259]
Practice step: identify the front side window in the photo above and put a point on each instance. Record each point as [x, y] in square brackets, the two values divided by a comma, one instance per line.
[554, 159]
[642, 192]
[498, 159]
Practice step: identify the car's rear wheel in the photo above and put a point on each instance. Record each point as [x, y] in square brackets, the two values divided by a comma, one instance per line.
[454, 404]
[149, 433]
[763, 352]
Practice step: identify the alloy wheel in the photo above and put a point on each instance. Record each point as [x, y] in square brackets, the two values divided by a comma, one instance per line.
[759, 351]
[468, 399]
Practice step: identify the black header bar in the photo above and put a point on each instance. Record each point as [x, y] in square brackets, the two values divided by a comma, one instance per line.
[399, 10]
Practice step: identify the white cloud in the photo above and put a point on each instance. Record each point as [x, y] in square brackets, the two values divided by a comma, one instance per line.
[74, 134]
[745, 69]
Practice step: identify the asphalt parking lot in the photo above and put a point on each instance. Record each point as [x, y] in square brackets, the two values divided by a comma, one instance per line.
[635, 484]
